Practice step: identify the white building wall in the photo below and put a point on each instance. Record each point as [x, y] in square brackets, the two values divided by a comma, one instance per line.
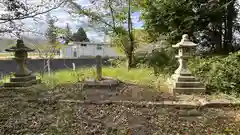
[67, 52]
[110, 52]
[76, 50]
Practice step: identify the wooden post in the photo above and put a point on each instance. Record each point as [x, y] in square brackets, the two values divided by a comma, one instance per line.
[99, 67]
[48, 67]
[74, 68]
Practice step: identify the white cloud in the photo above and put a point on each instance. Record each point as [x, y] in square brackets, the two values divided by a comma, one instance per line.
[83, 2]
[64, 18]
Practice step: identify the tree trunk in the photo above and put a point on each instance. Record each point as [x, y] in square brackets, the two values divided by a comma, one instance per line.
[131, 40]
[225, 32]
[218, 36]
[229, 21]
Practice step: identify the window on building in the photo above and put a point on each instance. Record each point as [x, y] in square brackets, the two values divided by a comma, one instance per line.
[83, 44]
[75, 52]
[99, 47]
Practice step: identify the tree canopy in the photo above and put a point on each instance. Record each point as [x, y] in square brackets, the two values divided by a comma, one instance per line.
[51, 32]
[80, 36]
[210, 23]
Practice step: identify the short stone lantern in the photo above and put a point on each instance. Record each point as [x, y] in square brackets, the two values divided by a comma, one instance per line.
[23, 77]
[182, 80]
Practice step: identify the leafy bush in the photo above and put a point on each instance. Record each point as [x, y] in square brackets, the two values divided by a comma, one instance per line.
[162, 61]
[218, 73]
[117, 62]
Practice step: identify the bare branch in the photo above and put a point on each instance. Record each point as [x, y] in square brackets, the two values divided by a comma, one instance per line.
[31, 14]
[91, 15]
[112, 14]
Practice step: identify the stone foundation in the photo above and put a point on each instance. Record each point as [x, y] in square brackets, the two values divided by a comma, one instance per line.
[25, 81]
[186, 84]
[105, 82]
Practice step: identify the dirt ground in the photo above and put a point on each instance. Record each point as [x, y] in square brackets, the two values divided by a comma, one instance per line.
[19, 115]
[122, 92]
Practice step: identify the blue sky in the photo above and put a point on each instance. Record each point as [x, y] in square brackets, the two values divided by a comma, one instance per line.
[74, 23]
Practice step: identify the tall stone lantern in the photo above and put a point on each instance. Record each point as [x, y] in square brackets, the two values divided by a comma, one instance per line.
[182, 81]
[23, 77]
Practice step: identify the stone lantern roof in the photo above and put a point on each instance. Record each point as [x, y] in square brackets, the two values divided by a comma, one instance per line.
[19, 47]
[185, 43]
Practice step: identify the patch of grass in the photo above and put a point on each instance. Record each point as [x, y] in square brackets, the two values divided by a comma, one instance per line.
[8, 54]
[65, 76]
[140, 76]
[5, 79]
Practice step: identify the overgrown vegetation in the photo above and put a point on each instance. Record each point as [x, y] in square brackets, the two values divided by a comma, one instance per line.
[141, 76]
[218, 73]
[162, 61]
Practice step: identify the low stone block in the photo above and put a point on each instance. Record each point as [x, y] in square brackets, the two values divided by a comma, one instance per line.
[22, 79]
[20, 84]
[189, 84]
[105, 82]
[188, 90]
[187, 79]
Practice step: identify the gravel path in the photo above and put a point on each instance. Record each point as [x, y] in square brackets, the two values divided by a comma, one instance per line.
[21, 117]
[36, 118]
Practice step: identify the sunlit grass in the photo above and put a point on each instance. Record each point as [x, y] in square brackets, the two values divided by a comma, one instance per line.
[140, 76]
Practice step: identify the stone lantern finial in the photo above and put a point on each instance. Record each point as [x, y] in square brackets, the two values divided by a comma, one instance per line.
[185, 42]
[185, 37]
[20, 43]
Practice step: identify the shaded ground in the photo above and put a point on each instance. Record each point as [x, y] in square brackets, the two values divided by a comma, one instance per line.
[122, 92]
[19, 116]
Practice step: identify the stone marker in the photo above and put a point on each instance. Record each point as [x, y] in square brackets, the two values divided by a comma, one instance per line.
[182, 80]
[74, 67]
[99, 67]
[99, 80]
[23, 76]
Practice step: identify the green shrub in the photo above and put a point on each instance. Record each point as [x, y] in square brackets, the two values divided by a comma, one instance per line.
[117, 62]
[218, 73]
[162, 61]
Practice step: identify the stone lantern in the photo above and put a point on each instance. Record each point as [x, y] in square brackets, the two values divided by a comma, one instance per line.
[182, 80]
[23, 76]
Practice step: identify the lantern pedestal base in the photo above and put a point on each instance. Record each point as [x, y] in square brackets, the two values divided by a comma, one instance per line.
[24, 81]
[186, 84]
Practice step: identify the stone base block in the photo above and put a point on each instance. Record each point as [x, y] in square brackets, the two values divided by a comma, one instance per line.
[25, 81]
[189, 90]
[105, 82]
[187, 79]
[183, 84]
[38, 87]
